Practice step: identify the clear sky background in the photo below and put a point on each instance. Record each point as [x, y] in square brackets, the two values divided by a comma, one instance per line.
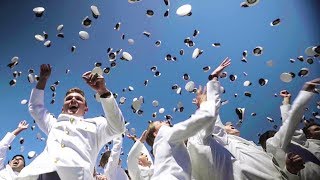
[225, 22]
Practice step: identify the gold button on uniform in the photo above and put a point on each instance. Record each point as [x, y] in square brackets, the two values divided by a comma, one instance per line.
[67, 132]
[62, 145]
[72, 120]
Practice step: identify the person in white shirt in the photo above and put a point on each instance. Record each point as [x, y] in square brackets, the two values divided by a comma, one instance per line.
[208, 158]
[73, 142]
[172, 160]
[289, 139]
[140, 164]
[17, 163]
[111, 162]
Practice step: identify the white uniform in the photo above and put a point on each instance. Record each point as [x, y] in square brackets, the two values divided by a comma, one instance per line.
[136, 171]
[209, 159]
[73, 143]
[113, 170]
[288, 139]
[172, 160]
[6, 171]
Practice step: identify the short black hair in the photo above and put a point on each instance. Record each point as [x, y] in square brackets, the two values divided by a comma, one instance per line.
[265, 136]
[20, 155]
[306, 128]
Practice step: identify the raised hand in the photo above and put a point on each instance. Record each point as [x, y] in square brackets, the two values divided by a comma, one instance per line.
[310, 85]
[143, 137]
[201, 96]
[45, 71]
[294, 163]
[23, 125]
[225, 63]
[132, 137]
[96, 82]
[285, 93]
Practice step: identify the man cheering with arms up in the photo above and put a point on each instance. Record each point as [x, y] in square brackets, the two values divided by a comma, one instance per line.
[73, 142]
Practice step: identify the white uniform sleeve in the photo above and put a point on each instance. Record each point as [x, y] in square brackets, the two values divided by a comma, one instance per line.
[213, 95]
[133, 167]
[4, 145]
[277, 145]
[114, 117]
[202, 118]
[113, 160]
[298, 135]
[39, 113]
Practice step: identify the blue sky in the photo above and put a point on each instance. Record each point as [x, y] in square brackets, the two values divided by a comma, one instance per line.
[236, 28]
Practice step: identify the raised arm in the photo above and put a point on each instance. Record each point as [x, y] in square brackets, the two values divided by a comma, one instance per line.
[110, 107]
[7, 140]
[133, 156]
[283, 137]
[298, 135]
[113, 160]
[213, 94]
[36, 103]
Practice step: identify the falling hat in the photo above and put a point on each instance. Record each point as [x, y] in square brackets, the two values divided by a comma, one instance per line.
[126, 56]
[286, 77]
[155, 103]
[196, 53]
[257, 51]
[84, 35]
[149, 13]
[60, 27]
[263, 81]
[166, 14]
[303, 72]
[38, 11]
[309, 60]
[24, 101]
[275, 22]
[117, 26]
[233, 77]
[47, 43]
[95, 11]
[240, 113]
[158, 43]
[247, 83]
[252, 2]
[310, 51]
[131, 41]
[31, 154]
[184, 10]
[161, 110]
[97, 70]
[190, 86]
[86, 22]
[166, 2]
[39, 37]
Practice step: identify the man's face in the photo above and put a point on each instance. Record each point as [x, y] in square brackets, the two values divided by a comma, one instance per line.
[17, 164]
[314, 131]
[231, 130]
[74, 104]
[143, 160]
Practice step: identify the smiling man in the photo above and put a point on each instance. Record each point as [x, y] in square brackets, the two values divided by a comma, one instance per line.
[73, 141]
[17, 163]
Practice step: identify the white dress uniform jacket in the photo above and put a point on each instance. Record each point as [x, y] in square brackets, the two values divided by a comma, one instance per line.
[172, 160]
[209, 159]
[136, 171]
[6, 172]
[113, 170]
[288, 139]
[73, 143]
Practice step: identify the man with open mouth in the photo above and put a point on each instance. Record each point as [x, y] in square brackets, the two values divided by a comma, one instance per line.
[73, 141]
[17, 163]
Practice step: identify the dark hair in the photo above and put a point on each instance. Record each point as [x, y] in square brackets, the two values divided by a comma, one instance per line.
[76, 90]
[306, 129]
[20, 155]
[104, 158]
[265, 136]
[150, 137]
